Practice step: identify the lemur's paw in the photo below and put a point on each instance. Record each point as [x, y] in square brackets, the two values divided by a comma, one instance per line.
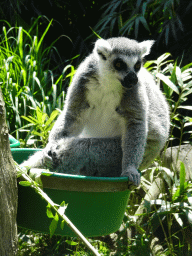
[47, 160]
[134, 177]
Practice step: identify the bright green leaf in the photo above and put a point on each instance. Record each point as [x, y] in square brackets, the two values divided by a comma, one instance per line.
[49, 212]
[30, 119]
[62, 224]
[182, 177]
[167, 81]
[25, 183]
[71, 242]
[45, 32]
[53, 225]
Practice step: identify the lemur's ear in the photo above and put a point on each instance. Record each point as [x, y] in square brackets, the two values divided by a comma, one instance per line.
[145, 47]
[102, 49]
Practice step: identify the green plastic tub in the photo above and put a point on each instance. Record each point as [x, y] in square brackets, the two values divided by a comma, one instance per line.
[96, 205]
[13, 142]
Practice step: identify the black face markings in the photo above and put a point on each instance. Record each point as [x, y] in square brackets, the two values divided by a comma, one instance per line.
[102, 55]
[65, 134]
[119, 65]
[137, 66]
[130, 80]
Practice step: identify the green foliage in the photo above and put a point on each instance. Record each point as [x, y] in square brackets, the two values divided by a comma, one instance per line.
[26, 79]
[54, 223]
[177, 86]
[155, 16]
[175, 207]
[169, 216]
[41, 126]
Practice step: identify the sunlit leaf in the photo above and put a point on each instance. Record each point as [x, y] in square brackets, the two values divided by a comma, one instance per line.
[62, 224]
[62, 208]
[25, 183]
[182, 177]
[49, 212]
[186, 107]
[53, 225]
[178, 219]
[70, 242]
[167, 81]
[42, 37]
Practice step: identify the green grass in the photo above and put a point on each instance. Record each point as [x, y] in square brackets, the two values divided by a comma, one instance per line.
[27, 82]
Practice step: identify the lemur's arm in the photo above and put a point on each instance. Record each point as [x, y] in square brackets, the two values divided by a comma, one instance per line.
[134, 137]
[39, 160]
[71, 120]
[133, 147]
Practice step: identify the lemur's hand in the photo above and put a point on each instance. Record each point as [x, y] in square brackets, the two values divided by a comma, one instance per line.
[56, 156]
[133, 175]
[47, 161]
[48, 156]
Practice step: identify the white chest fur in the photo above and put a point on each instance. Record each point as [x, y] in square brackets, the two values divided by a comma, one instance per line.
[102, 120]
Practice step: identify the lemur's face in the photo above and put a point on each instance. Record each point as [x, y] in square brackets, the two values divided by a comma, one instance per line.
[126, 69]
[121, 59]
[122, 68]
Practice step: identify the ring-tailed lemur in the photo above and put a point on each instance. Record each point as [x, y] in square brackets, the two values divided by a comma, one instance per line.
[114, 115]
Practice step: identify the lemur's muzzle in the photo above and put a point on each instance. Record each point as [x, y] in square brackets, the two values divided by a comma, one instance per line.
[130, 80]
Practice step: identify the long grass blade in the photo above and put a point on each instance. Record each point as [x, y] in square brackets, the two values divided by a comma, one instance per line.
[20, 42]
[182, 177]
[45, 32]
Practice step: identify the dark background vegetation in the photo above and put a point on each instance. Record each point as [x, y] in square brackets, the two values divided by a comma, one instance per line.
[166, 21]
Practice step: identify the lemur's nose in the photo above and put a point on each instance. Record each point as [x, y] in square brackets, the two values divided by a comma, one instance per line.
[130, 80]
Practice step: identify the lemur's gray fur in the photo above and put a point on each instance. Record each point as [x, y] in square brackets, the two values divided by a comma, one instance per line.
[115, 119]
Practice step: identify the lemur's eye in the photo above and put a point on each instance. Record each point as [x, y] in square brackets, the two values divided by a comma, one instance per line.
[137, 66]
[120, 65]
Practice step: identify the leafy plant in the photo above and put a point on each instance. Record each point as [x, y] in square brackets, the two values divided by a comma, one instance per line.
[127, 17]
[41, 124]
[25, 77]
[176, 82]
[174, 207]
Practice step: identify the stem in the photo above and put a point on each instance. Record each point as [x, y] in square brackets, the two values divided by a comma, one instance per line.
[64, 217]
